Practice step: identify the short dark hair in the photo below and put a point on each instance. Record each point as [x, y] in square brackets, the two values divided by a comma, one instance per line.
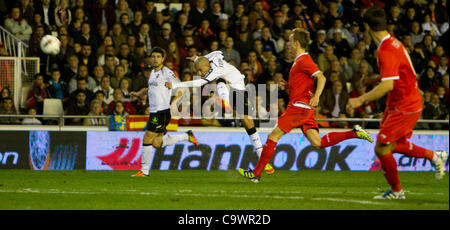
[158, 49]
[376, 18]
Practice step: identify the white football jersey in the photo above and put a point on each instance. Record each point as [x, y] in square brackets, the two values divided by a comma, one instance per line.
[222, 69]
[158, 94]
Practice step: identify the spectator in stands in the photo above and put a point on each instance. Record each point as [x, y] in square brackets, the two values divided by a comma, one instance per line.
[416, 33]
[428, 81]
[118, 96]
[144, 37]
[86, 57]
[46, 10]
[103, 13]
[71, 68]
[5, 93]
[258, 12]
[119, 74]
[125, 86]
[122, 7]
[96, 110]
[82, 73]
[366, 110]
[430, 27]
[82, 85]
[118, 36]
[230, 53]
[17, 25]
[57, 88]
[199, 13]
[100, 96]
[79, 106]
[166, 36]
[341, 45]
[434, 110]
[319, 44]
[118, 116]
[31, 120]
[334, 101]
[63, 15]
[325, 59]
[105, 86]
[8, 108]
[37, 93]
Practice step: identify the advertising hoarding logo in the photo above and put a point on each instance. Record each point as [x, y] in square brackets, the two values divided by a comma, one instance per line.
[116, 161]
[229, 151]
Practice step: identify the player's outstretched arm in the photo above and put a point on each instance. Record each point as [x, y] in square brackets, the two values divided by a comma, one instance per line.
[186, 84]
[378, 92]
[321, 80]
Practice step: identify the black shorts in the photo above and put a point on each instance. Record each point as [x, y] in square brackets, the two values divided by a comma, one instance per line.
[157, 122]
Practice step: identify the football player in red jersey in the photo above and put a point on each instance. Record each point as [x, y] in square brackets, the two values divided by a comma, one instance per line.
[403, 105]
[300, 110]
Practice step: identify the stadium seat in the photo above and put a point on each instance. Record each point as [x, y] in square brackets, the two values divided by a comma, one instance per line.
[53, 106]
[23, 98]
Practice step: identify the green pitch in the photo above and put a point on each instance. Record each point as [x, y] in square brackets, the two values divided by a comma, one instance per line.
[216, 190]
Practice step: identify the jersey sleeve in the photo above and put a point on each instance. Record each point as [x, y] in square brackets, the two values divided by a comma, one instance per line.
[310, 68]
[388, 65]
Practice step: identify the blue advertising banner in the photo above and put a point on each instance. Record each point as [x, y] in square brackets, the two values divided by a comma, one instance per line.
[232, 150]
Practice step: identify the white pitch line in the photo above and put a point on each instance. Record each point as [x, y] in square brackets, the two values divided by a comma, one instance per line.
[220, 194]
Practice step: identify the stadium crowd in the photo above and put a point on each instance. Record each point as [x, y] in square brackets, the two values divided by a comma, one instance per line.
[105, 47]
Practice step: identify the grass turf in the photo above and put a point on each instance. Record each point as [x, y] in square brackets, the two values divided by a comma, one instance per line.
[215, 190]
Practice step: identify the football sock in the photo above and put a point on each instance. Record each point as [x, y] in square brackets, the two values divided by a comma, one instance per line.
[223, 92]
[173, 139]
[256, 141]
[267, 154]
[335, 137]
[146, 158]
[411, 150]
[389, 166]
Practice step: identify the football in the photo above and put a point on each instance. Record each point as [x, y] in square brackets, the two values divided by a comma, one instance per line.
[50, 45]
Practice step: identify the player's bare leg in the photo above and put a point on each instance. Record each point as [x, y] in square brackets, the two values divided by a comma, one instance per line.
[266, 156]
[390, 171]
[333, 138]
[249, 126]
[437, 158]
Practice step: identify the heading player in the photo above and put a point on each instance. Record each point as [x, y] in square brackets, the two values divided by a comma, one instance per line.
[403, 105]
[159, 98]
[300, 110]
[211, 67]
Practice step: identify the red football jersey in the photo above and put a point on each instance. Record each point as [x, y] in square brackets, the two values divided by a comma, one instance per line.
[395, 64]
[301, 79]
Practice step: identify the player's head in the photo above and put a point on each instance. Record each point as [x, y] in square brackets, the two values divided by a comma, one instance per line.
[202, 66]
[376, 19]
[157, 55]
[299, 39]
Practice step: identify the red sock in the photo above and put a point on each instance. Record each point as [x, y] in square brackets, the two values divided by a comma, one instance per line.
[389, 166]
[335, 137]
[266, 155]
[411, 150]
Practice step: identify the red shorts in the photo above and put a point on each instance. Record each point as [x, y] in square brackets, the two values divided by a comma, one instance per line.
[294, 117]
[396, 126]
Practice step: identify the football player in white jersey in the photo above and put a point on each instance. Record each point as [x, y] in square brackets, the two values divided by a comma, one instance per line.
[159, 98]
[213, 67]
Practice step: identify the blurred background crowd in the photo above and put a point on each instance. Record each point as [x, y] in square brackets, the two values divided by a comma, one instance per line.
[105, 47]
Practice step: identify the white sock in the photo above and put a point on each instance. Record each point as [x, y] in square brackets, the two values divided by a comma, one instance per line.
[173, 139]
[223, 92]
[256, 143]
[146, 158]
